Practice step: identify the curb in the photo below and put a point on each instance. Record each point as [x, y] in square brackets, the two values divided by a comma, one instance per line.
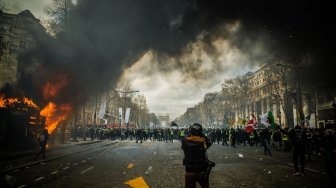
[56, 157]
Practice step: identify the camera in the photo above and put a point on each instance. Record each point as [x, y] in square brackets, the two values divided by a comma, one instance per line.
[209, 166]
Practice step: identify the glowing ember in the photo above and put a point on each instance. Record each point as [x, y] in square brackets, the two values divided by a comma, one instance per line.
[54, 115]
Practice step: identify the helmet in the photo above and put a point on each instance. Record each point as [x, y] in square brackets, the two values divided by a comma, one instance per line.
[196, 129]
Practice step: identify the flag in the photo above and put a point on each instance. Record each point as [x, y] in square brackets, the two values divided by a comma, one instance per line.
[271, 120]
[251, 124]
[228, 121]
[307, 120]
[241, 121]
[127, 114]
[263, 119]
[231, 122]
[268, 120]
[120, 115]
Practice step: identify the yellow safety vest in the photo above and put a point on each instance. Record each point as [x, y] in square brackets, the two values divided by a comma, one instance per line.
[284, 137]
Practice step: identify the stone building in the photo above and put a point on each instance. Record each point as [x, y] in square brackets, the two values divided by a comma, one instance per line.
[15, 36]
[275, 87]
[267, 92]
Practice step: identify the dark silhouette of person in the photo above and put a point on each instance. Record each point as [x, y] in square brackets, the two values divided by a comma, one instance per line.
[194, 147]
[43, 140]
[298, 139]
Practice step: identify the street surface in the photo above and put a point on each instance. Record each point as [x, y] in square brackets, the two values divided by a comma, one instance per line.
[157, 164]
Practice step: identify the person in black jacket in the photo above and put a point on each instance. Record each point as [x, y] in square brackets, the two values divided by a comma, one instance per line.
[266, 138]
[329, 148]
[195, 159]
[298, 139]
[139, 135]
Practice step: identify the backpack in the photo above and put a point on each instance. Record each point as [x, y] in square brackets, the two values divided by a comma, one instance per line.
[41, 138]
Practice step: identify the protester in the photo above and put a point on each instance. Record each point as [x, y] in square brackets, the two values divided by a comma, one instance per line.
[195, 160]
[43, 140]
[139, 135]
[298, 139]
[329, 147]
[266, 138]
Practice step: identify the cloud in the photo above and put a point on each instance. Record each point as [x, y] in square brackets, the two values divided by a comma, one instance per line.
[171, 84]
[35, 6]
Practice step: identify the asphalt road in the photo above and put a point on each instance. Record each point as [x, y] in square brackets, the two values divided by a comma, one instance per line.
[159, 164]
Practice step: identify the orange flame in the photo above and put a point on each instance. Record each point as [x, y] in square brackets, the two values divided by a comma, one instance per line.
[55, 115]
[30, 103]
[51, 90]
[5, 102]
[2, 102]
[13, 100]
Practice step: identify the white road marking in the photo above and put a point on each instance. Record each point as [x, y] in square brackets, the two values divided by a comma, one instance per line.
[86, 170]
[40, 178]
[54, 172]
[65, 168]
[75, 164]
[21, 186]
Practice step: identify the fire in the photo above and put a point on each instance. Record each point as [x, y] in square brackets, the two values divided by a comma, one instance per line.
[13, 100]
[51, 90]
[30, 103]
[2, 102]
[54, 115]
[7, 102]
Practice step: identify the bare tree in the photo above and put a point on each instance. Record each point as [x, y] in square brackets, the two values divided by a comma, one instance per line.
[60, 14]
[140, 109]
[280, 83]
[237, 91]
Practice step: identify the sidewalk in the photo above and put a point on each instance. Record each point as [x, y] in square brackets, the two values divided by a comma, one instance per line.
[8, 155]
[12, 160]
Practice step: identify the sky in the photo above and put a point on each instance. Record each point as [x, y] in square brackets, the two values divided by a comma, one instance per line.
[35, 6]
[174, 52]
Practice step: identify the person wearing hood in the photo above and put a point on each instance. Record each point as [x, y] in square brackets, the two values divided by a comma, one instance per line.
[195, 159]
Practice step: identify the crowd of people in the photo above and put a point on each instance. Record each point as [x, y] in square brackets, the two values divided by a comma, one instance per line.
[303, 142]
[316, 139]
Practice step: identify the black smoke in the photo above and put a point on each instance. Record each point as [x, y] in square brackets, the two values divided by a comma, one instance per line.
[103, 37]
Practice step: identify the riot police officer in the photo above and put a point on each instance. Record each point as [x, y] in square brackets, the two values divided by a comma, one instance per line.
[195, 159]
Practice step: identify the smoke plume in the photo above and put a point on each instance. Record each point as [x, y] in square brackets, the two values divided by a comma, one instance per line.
[104, 37]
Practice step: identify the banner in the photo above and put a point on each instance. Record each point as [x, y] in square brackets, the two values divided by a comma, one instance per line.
[127, 114]
[120, 114]
[102, 110]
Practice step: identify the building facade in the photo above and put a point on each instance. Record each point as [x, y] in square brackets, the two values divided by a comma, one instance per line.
[276, 87]
[16, 35]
